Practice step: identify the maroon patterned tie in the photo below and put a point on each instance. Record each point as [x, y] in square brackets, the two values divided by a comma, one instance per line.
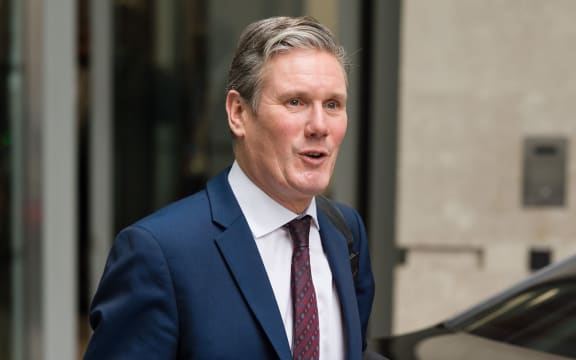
[306, 332]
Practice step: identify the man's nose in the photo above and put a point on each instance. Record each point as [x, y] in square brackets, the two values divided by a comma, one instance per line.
[317, 124]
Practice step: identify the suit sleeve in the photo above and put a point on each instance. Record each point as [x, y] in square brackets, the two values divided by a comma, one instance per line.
[134, 314]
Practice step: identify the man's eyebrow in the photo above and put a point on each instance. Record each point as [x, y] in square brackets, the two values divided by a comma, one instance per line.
[303, 94]
[340, 96]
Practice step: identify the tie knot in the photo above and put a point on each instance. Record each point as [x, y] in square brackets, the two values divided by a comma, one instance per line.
[299, 229]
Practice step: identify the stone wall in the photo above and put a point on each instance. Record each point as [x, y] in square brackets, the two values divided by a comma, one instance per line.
[477, 78]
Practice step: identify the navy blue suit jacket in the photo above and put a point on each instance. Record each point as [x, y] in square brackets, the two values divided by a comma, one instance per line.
[187, 282]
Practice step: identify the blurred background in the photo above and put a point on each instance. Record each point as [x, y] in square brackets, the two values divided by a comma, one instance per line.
[458, 154]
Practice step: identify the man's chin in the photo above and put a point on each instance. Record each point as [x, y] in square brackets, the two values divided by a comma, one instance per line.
[317, 189]
[311, 184]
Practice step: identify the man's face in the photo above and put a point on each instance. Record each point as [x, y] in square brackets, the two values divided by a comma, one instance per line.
[289, 147]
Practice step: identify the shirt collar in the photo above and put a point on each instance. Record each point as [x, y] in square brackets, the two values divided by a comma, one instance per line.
[263, 214]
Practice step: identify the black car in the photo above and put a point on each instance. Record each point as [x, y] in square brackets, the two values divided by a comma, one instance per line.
[536, 319]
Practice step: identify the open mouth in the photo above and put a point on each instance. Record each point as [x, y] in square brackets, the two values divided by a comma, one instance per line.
[315, 155]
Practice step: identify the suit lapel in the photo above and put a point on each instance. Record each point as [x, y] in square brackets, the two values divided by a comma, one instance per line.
[336, 250]
[239, 250]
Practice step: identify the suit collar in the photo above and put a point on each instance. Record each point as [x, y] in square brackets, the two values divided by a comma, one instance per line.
[223, 204]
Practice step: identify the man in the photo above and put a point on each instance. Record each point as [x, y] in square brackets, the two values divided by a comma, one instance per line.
[210, 276]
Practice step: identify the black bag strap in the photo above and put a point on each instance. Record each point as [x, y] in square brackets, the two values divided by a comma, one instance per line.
[337, 219]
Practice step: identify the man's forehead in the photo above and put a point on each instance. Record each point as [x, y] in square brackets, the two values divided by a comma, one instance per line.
[301, 52]
[289, 60]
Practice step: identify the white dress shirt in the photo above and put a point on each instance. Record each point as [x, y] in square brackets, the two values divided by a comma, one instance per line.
[266, 219]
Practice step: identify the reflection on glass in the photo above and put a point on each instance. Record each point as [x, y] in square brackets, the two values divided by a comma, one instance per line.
[548, 295]
[509, 305]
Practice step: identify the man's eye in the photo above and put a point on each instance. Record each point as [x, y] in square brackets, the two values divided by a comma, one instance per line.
[332, 105]
[294, 102]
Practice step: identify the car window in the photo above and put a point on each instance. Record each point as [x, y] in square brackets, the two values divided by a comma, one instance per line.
[541, 318]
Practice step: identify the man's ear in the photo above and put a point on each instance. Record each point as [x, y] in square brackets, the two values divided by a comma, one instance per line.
[238, 111]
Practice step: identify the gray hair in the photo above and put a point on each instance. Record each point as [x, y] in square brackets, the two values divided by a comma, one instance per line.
[264, 38]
